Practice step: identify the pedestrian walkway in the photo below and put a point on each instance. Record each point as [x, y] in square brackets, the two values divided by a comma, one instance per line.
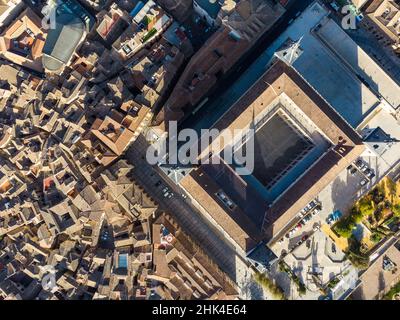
[341, 242]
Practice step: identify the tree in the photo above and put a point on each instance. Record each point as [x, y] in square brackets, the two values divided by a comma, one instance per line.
[268, 284]
[396, 210]
[378, 194]
[345, 227]
[366, 207]
[376, 237]
[357, 216]
[359, 261]
[379, 214]
[392, 187]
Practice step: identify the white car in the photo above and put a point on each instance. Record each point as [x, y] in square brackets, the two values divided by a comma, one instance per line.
[316, 228]
[366, 169]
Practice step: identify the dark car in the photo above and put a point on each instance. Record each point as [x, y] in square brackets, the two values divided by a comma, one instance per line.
[359, 163]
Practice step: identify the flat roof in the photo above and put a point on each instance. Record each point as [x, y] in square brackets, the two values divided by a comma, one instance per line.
[62, 41]
[361, 63]
[212, 8]
[347, 94]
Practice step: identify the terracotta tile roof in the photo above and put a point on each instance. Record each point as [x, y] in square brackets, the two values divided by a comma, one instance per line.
[346, 147]
[234, 222]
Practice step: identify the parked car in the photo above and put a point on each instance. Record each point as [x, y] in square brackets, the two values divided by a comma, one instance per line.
[158, 183]
[316, 211]
[329, 220]
[104, 235]
[349, 167]
[372, 175]
[353, 171]
[360, 17]
[335, 6]
[366, 169]
[316, 228]
[165, 189]
[359, 163]
[336, 215]
[363, 182]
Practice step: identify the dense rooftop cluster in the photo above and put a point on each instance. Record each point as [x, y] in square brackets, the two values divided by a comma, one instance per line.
[83, 215]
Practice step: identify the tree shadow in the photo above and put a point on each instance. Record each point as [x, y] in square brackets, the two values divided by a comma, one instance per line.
[338, 193]
[382, 282]
[252, 290]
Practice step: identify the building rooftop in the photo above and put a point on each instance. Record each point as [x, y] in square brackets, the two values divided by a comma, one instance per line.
[22, 42]
[385, 14]
[328, 55]
[212, 7]
[62, 41]
[339, 142]
[222, 50]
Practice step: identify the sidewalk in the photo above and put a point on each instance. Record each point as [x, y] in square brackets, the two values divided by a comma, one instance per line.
[341, 242]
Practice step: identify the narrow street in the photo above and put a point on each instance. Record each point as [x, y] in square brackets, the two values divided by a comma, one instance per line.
[244, 63]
